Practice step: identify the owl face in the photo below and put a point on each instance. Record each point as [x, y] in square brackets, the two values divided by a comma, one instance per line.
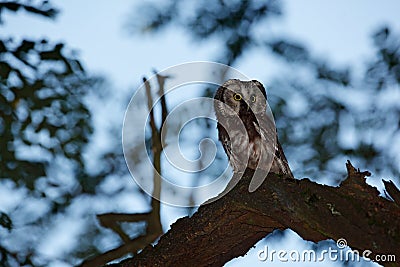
[241, 98]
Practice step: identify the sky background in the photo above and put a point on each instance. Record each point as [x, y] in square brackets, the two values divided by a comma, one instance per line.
[101, 37]
[98, 32]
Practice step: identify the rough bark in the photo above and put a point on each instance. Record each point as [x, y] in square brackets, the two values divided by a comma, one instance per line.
[229, 227]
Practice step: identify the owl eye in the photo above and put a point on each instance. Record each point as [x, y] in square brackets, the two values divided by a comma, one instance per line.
[237, 97]
[253, 98]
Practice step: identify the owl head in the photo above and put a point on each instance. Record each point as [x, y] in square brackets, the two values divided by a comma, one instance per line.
[236, 97]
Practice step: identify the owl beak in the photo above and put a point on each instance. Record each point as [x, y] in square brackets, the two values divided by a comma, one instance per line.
[246, 105]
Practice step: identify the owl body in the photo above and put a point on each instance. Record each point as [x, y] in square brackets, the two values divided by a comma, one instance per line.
[246, 131]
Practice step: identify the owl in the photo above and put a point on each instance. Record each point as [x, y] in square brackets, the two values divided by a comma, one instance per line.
[247, 131]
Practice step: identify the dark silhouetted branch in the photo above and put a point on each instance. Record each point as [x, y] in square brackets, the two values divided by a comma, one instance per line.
[393, 191]
[153, 228]
[229, 227]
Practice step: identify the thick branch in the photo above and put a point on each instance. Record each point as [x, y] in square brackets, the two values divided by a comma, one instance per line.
[227, 228]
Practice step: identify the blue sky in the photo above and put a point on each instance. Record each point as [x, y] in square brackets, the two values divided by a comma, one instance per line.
[97, 31]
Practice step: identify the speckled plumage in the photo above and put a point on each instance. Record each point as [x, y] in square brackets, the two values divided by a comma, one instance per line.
[245, 130]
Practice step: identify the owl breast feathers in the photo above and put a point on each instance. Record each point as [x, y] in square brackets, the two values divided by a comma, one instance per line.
[246, 130]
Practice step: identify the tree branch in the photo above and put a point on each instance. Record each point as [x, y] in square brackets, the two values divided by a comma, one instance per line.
[153, 228]
[229, 227]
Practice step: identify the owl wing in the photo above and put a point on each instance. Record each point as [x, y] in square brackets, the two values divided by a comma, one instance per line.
[233, 139]
[269, 134]
[280, 162]
[225, 140]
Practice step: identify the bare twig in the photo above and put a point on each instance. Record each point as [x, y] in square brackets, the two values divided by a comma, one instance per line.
[108, 218]
[393, 191]
[132, 246]
[154, 228]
